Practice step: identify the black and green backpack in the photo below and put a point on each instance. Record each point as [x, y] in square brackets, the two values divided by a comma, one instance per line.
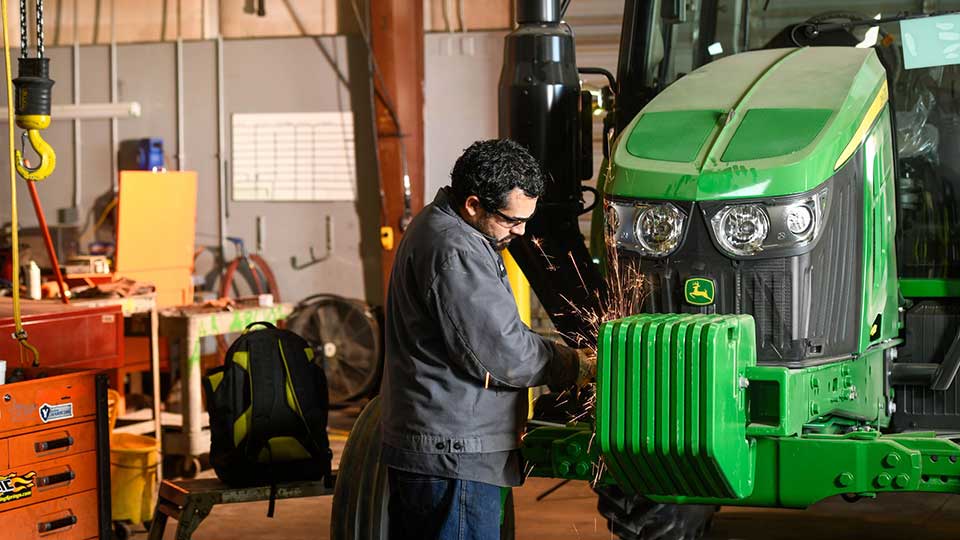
[268, 411]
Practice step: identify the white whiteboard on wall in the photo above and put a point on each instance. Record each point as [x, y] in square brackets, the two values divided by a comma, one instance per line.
[294, 157]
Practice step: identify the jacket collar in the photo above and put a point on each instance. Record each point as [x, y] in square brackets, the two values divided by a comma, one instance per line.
[444, 202]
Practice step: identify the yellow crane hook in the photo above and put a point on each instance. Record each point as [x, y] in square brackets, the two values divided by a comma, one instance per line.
[33, 100]
[48, 158]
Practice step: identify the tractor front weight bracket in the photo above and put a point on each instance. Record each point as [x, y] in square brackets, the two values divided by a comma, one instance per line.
[792, 472]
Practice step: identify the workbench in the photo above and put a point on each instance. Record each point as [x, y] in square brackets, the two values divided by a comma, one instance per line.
[190, 501]
[187, 327]
[131, 306]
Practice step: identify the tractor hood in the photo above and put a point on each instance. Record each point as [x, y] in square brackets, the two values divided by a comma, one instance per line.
[753, 125]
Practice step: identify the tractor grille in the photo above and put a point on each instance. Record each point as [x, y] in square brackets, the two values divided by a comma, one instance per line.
[806, 306]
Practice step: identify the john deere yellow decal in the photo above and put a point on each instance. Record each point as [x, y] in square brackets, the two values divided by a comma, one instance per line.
[699, 291]
[14, 487]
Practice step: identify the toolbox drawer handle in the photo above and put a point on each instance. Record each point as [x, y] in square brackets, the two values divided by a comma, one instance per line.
[45, 446]
[56, 478]
[48, 526]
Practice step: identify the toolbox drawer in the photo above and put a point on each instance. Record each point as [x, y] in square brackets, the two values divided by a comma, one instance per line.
[51, 443]
[68, 336]
[47, 402]
[73, 518]
[31, 484]
[3, 455]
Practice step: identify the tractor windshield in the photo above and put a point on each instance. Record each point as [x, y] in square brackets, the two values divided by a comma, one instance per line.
[928, 134]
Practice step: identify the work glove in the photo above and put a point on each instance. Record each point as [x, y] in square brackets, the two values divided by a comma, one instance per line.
[587, 371]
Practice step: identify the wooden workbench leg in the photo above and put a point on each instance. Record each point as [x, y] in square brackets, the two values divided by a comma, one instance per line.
[191, 398]
[158, 525]
[194, 512]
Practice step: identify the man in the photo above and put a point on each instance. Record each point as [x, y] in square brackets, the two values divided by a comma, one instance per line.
[458, 358]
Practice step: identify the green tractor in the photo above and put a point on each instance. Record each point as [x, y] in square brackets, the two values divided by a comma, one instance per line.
[762, 213]
[779, 355]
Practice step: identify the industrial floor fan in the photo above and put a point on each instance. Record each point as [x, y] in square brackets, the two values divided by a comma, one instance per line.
[346, 336]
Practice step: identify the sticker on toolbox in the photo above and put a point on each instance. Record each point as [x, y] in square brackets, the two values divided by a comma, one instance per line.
[52, 413]
[14, 487]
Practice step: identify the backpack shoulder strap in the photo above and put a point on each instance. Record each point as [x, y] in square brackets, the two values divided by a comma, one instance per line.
[294, 372]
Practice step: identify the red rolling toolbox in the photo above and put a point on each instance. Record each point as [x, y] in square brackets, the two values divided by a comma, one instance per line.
[55, 456]
[67, 335]
[54, 430]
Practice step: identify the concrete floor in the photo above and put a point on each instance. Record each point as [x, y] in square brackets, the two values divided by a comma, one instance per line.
[570, 512]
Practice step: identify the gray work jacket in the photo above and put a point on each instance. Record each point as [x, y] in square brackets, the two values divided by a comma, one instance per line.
[458, 359]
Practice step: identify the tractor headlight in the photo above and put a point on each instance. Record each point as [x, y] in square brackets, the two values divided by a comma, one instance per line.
[774, 227]
[742, 229]
[799, 219]
[659, 228]
[652, 229]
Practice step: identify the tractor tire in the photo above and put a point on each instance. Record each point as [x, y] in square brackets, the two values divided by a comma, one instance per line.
[361, 496]
[633, 517]
[359, 510]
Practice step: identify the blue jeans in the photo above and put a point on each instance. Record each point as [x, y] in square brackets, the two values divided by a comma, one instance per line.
[434, 508]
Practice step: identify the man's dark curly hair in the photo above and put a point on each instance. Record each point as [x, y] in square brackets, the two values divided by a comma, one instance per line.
[491, 169]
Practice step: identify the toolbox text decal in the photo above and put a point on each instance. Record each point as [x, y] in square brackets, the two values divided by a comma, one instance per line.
[14, 487]
[51, 413]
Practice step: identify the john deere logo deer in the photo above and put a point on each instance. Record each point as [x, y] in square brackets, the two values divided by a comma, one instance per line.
[699, 291]
[14, 487]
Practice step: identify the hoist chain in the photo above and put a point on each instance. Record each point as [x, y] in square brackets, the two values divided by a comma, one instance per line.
[39, 28]
[23, 29]
[24, 35]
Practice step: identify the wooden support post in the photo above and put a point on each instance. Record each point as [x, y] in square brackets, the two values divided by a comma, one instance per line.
[397, 37]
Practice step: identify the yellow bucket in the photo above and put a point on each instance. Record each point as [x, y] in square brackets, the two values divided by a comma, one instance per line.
[133, 476]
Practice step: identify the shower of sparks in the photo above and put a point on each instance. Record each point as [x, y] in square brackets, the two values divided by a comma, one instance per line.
[600, 468]
[625, 294]
[528, 470]
[539, 243]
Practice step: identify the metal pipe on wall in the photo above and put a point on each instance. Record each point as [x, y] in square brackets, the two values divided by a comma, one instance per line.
[77, 161]
[92, 111]
[114, 91]
[221, 154]
[181, 157]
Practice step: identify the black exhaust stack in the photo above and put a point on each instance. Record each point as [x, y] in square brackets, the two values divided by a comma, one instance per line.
[540, 108]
